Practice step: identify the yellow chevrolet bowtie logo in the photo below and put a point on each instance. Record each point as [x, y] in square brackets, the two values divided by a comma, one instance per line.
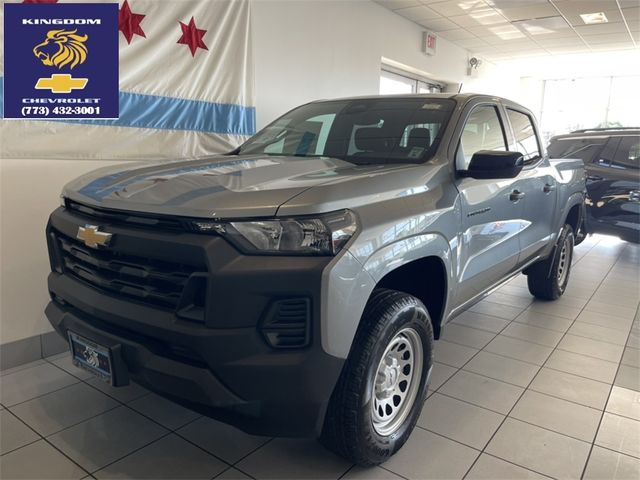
[92, 237]
[61, 83]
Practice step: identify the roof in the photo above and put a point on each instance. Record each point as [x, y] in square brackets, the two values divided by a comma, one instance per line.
[455, 96]
[599, 132]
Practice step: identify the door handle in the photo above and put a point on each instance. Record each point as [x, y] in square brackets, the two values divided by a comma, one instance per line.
[548, 187]
[516, 195]
[634, 196]
[594, 178]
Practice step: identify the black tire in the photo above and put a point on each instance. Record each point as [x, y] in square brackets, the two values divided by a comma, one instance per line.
[349, 427]
[548, 278]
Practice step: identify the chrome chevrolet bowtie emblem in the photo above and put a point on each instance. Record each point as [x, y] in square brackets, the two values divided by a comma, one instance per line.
[91, 237]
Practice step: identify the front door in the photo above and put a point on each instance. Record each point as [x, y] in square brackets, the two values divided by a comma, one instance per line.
[491, 209]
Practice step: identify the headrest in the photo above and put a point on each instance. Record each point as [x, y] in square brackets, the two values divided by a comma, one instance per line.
[419, 137]
[370, 139]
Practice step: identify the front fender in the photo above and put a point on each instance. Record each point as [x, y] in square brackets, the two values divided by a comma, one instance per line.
[348, 284]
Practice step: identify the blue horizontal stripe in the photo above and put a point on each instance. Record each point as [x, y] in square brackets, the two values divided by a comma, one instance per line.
[169, 113]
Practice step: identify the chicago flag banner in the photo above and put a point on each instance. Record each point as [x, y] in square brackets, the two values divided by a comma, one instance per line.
[185, 87]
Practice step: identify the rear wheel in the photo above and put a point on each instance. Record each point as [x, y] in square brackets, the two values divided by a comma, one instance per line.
[548, 279]
[382, 388]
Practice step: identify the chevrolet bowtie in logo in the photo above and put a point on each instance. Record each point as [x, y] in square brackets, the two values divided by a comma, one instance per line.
[92, 237]
[61, 60]
[61, 83]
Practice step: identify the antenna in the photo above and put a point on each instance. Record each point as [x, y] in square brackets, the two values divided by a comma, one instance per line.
[460, 87]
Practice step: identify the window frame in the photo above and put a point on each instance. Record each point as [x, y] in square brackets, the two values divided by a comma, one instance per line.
[527, 164]
[463, 121]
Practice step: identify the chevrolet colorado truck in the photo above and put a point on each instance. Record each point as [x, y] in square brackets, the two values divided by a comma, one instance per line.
[295, 286]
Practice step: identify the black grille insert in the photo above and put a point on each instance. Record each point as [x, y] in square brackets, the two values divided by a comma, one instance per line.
[152, 281]
[121, 217]
[287, 323]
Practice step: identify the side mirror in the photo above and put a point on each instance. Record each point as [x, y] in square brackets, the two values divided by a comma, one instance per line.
[487, 164]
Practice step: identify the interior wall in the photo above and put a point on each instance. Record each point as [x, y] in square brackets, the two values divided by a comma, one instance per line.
[303, 50]
[29, 191]
[315, 49]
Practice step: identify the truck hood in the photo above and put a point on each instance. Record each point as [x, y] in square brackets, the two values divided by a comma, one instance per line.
[215, 187]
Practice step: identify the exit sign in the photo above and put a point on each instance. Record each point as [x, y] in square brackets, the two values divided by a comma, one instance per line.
[429, 43]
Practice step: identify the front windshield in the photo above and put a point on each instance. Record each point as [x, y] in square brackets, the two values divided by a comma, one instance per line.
[361, 131]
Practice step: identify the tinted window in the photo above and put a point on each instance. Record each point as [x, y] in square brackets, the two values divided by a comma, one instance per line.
[526, 139]
[628, 154]
[584, 148]
[482, 131]
[380, 130]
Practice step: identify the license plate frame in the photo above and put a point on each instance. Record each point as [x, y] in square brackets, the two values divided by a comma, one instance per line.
[91, 356]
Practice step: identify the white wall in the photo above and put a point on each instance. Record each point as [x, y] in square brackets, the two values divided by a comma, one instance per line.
[314, 49]
[304, 50]
[29, 191]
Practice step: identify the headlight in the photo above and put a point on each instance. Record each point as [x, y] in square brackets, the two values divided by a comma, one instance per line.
[319, 235]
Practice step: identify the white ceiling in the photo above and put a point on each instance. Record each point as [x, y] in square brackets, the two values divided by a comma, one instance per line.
[508, 29]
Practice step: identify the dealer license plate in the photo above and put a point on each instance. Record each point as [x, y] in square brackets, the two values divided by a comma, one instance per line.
[92, 357]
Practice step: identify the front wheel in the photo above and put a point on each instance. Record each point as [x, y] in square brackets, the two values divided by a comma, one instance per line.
[381, 391]
[548, 278]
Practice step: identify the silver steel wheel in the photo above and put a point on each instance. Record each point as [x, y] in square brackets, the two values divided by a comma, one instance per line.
[564, 264]
[397, 381]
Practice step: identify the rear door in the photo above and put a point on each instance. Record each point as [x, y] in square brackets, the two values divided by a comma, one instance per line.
[538, 185]
[491, 213]
[613, 187]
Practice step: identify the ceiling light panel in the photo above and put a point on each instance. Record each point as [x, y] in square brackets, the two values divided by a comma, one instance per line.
[458, 7]
[596, 17]
[478, 17]
[506, 32]
[529, 12]
[575, 19]
[542, 26]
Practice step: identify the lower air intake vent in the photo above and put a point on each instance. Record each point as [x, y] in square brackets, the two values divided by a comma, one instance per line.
[287, 323]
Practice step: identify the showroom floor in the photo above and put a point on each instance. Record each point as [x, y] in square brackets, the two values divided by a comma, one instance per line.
[521, 389]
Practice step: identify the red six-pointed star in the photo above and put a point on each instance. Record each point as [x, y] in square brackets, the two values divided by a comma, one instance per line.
[129, 22]
[192, 37]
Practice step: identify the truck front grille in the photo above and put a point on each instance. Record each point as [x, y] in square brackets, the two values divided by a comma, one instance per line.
[152, 281]
[129, 219]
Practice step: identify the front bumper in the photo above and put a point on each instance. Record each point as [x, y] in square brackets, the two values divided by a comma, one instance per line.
[222, 366]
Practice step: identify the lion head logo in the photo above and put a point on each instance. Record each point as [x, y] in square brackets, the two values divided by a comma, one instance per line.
[62, 47]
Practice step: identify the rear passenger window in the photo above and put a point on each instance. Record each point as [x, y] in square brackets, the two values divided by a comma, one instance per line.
[526, 139]
[628, 154]
[483, 131]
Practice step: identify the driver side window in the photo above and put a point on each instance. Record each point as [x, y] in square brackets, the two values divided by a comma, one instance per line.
[482, 131]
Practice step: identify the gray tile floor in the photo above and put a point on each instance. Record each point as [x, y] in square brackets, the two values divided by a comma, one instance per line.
[522, 389]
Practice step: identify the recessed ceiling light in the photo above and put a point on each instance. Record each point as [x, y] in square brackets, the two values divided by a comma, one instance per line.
[598, 17]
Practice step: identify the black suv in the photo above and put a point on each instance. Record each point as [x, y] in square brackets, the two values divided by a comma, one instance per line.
[612, 160]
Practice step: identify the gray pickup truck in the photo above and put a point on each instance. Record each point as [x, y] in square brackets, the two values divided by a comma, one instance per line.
[295, 286]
